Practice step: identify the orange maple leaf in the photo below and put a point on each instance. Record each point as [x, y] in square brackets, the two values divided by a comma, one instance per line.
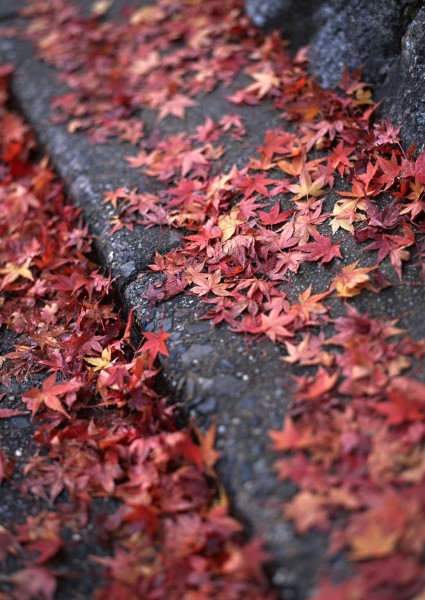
[351, 280]
[291, 437]
[376, 541]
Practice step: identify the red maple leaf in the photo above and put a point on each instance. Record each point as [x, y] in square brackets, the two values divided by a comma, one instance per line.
[415, 169]
[390, 170]
[257, 183]
[155, 344]
[274, 216]
[209, 283]
[49, 395]
[321, 249]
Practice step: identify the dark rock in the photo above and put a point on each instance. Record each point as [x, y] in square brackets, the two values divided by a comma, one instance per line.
[356, 33]
[386, 38]
[405, 85]
[9, 10]
[299, 19]
[227, 385]
[196, 352]
[167, 324]
[20, 422]
[199, 327]
[247, 403]
[128, 269]
[208, 406]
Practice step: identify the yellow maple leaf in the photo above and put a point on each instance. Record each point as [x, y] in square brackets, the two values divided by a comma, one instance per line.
[12, 272]
[100, 362]
[228, 223]
[101, 7]
[307, 187]
[346, 214]
[147, 14]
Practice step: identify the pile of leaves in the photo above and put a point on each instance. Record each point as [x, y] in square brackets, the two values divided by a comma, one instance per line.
[101, 431]
[331, 182]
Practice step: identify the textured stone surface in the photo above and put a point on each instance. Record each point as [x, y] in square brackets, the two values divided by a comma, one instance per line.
[358, 32]
[386, 38]
[298, 19]
[405, 85]
[9, 9]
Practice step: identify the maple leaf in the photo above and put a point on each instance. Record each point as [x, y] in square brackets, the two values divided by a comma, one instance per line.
[351, 280]
[398, 408]
[376, 541]
[49, 395]
[265, 82]
[239, 247]
[415, 169]
[292, 167]
[254, 184]
[101, 362]
[315, 387]
[208, 132]
[115, 195]
[208, 454]
[12, 272]
[234, 124]
[6, 413]
[274, 324]
[274, 216]
[339, 158]
[322, 248]
[176, 106]
[309, 304]
[308, 352]
[387, 219]
[307, 511]
[291, 437]
[367, 177]
[390, 170]
[346, 214]
[155, 344]
[228, 223]
[209, 283]
[279, 142]
[193, 158]
[307, 187]
[395, 246]
[33, 582]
